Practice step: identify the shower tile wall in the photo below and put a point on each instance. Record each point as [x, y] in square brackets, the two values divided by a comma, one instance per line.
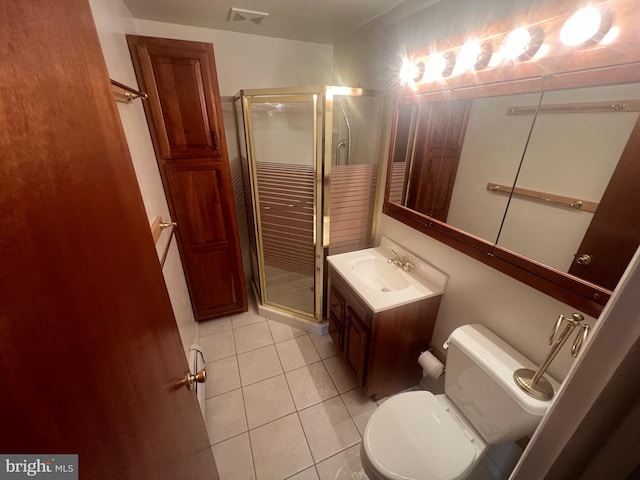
[281, 403]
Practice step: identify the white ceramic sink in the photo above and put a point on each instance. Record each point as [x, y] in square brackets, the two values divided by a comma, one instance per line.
[383, 285]
[377, 274]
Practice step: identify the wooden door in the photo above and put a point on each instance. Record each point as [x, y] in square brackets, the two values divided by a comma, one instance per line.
[90, 354]
[613, 235]
[185, 119]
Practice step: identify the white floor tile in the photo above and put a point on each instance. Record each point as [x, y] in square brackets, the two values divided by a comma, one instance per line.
[281, 331]
[233, 458]
[325, 346]
[252, 336]
[360, 407]
[297, 352]
[222, 376]
[225, 417]
[259, 364]
[329, 428]
[267, 400]
[246, 318]
[342, 466]
[217, 346]
[341, 374]
[280, 449]
[308, 474]
[310, 385]
[214, 326]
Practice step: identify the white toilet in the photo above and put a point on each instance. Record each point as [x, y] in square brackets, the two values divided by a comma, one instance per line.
[421, 436]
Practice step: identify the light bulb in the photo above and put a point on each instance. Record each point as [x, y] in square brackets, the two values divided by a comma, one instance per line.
[515, 44]
[435, 67]
[410, 72]
[522, 43]
[587, 24]
[468, 55]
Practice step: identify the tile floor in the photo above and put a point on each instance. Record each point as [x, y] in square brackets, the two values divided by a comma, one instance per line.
[282, 404]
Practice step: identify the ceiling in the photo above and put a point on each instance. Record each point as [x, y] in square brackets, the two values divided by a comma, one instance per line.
[318, 21]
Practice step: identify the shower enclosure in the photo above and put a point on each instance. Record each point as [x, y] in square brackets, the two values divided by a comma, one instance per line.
[310, 167]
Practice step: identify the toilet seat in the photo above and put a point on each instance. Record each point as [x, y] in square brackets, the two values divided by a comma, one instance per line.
[415, 436]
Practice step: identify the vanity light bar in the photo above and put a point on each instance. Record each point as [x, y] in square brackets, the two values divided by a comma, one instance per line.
[587, 26]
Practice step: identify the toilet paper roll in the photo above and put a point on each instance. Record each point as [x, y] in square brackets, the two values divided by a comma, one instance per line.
[431, 366]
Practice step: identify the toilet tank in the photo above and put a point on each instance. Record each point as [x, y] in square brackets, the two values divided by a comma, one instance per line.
[479, 381]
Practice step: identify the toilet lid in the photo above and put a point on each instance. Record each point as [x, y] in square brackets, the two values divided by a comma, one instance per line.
[412, 436]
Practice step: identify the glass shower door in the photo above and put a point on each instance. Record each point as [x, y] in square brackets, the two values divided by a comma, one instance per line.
[356, 131]
[283, 162]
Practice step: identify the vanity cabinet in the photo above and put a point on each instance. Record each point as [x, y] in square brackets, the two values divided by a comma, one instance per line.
[383, 347]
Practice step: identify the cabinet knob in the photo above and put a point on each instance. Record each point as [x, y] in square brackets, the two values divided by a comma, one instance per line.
[583, 259]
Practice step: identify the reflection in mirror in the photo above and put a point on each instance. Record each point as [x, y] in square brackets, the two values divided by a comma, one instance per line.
[615, 59]
[578, 138]
[449, 151]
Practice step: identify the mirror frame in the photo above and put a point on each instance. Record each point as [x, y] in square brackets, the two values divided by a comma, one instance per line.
[616, 62]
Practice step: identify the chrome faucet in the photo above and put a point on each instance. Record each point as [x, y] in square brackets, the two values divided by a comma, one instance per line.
[401, 262]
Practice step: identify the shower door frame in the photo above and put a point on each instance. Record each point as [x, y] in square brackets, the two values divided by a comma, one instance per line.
[312, 96]
[323, 98]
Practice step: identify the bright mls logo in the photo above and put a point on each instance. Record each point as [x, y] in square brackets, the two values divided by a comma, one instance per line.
[50, 467]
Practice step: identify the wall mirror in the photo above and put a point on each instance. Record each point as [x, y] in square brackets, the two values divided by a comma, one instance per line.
[535, 175]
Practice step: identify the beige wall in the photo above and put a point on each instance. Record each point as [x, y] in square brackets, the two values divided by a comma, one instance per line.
[476, 293]
[251, 61]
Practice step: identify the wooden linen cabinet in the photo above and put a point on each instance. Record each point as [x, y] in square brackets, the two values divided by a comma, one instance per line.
[185, 120]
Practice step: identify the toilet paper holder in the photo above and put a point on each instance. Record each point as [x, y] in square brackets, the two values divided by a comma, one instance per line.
[430, 364]
[534, 383]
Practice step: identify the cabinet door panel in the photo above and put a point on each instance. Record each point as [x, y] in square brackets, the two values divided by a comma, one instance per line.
[186, 117]
[199, 204]
[212, 293]
[205, 236]
[179, 84]
[356, 349]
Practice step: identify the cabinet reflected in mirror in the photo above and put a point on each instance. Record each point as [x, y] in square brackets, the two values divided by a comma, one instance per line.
[449, 150]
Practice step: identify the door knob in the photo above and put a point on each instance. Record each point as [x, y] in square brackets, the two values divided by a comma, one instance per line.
[191, 379]
[583, 259]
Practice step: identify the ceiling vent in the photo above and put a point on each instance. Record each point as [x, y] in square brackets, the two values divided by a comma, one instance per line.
[240, 15]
